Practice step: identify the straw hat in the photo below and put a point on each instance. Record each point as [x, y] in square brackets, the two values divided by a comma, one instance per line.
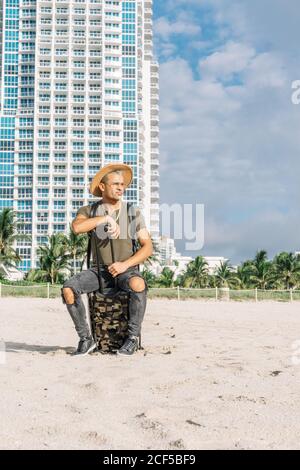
[127, 173]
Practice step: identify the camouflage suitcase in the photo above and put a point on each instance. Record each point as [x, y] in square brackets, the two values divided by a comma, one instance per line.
[109, 320]
[108, 308]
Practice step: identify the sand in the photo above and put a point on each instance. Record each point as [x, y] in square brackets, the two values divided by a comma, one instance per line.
[212, 376]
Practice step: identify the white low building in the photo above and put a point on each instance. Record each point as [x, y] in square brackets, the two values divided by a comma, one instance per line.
[214, 262]
[11, 273]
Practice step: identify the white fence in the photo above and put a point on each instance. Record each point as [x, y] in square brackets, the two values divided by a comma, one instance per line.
[48, 290]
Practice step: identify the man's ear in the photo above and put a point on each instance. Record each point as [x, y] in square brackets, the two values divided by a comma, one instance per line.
[102, 187]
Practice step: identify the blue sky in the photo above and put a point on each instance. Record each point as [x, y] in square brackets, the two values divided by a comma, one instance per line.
[229, 133]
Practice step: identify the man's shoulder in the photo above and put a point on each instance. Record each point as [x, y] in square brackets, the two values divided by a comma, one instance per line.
[86, 210]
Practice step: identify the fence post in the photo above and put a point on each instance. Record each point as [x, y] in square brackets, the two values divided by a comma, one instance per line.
[291, 295]
[256, 298]
[216, 293]
[48, 290]
[178, 293]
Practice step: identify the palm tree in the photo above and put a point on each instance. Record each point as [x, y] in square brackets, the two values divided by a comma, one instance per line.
[54, 260]
[166, 278]
[287, 269]
[225, 276]
[261, 271]
[77, 247]
[196, 274]
[149, 277]
[244, 273]
[8, 229]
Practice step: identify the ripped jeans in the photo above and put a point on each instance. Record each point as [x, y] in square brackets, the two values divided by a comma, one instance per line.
[87, 281]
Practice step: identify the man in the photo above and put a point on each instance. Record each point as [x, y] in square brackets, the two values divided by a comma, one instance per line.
[110, 183]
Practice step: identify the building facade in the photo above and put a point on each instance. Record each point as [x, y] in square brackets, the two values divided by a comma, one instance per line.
[79, 89]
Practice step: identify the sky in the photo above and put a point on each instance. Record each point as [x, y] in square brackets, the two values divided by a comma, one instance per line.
[229, 132]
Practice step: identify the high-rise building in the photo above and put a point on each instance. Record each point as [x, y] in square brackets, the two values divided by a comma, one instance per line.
[79, 88]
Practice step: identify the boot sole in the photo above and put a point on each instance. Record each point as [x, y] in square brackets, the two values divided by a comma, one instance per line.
[92, 348]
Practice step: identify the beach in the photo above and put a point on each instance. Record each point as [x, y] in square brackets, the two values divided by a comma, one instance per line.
[212, 375]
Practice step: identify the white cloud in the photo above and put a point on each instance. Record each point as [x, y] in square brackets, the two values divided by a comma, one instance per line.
[232, 58]
[182, 25]
[231, 140]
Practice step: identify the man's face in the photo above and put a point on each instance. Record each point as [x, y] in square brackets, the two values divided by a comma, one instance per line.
[114, 187]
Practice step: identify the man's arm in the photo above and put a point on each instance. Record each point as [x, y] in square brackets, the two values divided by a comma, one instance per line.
[139, 257]
[82, 224]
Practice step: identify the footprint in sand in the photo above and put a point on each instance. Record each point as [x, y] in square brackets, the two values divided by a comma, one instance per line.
[153, 426]
[94, 437]
[90, 387]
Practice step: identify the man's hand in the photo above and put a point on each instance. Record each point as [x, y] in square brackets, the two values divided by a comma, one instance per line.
[113, 228]
[117, 268]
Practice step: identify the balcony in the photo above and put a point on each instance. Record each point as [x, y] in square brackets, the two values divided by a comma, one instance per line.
[148, 12]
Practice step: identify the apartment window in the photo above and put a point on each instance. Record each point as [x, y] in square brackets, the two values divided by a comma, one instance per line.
[44, 121]
[45, 51]
[61, 75]
[60, 86]
[42, 204]
[61, 32]
[45, 32]
[95, 87]
[59, 133]
[59, 180]
[44, 109]
[79, 22]
[43, 157]
[95, 34]
[60, 145]
[61, 98]
[78, 134]
[77, 169]
[44, 86]
[95, 76]
[42, 192]
[61, 51]
[43, 169]
[78, 63]
[95, 110]
[44, 133]
[78, 75]
[95, 134]
[79, 34]
[60, 157]
[112, 133]
[60, 109]
[95, 99]
[61, 63]
[60, 122]
[79, 52]
[78, 110]
[59, 192]
[78, 145]
[44, 74]
[78, 193]
[59, 205]
[59, 227]
[95, 122]
[59, 169]
[78, 87]
[78, 157]
[78, 122]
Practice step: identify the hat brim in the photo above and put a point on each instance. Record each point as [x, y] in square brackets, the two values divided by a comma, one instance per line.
[127, 172]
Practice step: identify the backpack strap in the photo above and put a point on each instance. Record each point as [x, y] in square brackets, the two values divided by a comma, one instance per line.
[132, 222]
[92, 238]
